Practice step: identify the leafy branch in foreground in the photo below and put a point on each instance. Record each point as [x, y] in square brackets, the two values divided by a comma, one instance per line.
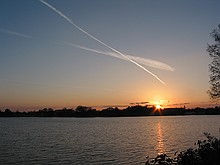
[207, 153]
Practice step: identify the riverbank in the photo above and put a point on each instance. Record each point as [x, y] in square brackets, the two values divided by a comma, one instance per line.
[84, 111]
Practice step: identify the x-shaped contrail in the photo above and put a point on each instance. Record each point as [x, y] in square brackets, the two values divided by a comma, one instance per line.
[96, 39]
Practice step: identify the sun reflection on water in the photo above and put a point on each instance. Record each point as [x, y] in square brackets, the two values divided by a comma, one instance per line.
[160, 144]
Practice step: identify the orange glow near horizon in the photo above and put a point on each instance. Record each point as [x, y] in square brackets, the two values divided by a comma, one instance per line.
[158, 106]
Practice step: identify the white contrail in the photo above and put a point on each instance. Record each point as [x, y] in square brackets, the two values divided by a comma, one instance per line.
[95, 51]
[85, 32]
[15, 33]
[140, 60]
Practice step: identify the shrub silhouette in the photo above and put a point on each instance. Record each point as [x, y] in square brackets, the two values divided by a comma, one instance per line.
[206, 153]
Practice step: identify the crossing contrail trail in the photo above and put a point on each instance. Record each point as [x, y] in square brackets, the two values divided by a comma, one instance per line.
[15, 33]
[96, 39]
[140, 60]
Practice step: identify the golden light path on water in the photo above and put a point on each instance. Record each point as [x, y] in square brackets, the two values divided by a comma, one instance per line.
[160, 141]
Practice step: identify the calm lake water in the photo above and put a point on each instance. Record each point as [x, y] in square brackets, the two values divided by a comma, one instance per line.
[96, 141]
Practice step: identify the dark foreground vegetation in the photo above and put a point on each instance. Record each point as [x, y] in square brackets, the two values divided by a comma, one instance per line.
[84, 111]
[206, 153]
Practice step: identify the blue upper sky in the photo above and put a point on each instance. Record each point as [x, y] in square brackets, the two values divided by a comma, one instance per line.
[38, 68]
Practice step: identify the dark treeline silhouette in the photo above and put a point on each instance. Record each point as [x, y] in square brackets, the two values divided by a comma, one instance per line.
[137, 110]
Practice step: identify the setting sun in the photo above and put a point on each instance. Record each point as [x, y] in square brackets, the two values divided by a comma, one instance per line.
[158, 106]
[159, 103]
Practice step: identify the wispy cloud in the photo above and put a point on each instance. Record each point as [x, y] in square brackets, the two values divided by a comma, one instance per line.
[140, 60]
[99, 41]
[15, 33]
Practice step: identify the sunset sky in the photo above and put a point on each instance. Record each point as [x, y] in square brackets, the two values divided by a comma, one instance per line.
[40, 67]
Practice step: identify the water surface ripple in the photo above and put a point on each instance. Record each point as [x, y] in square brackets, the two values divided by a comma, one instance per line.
[95, 141]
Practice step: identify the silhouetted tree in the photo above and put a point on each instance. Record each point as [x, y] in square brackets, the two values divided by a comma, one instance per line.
[8, 113]
[46, 112]
[214, 67]
[83, 111]
[111, 112]
[81, 108]
[64, 112]
[207, 153]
